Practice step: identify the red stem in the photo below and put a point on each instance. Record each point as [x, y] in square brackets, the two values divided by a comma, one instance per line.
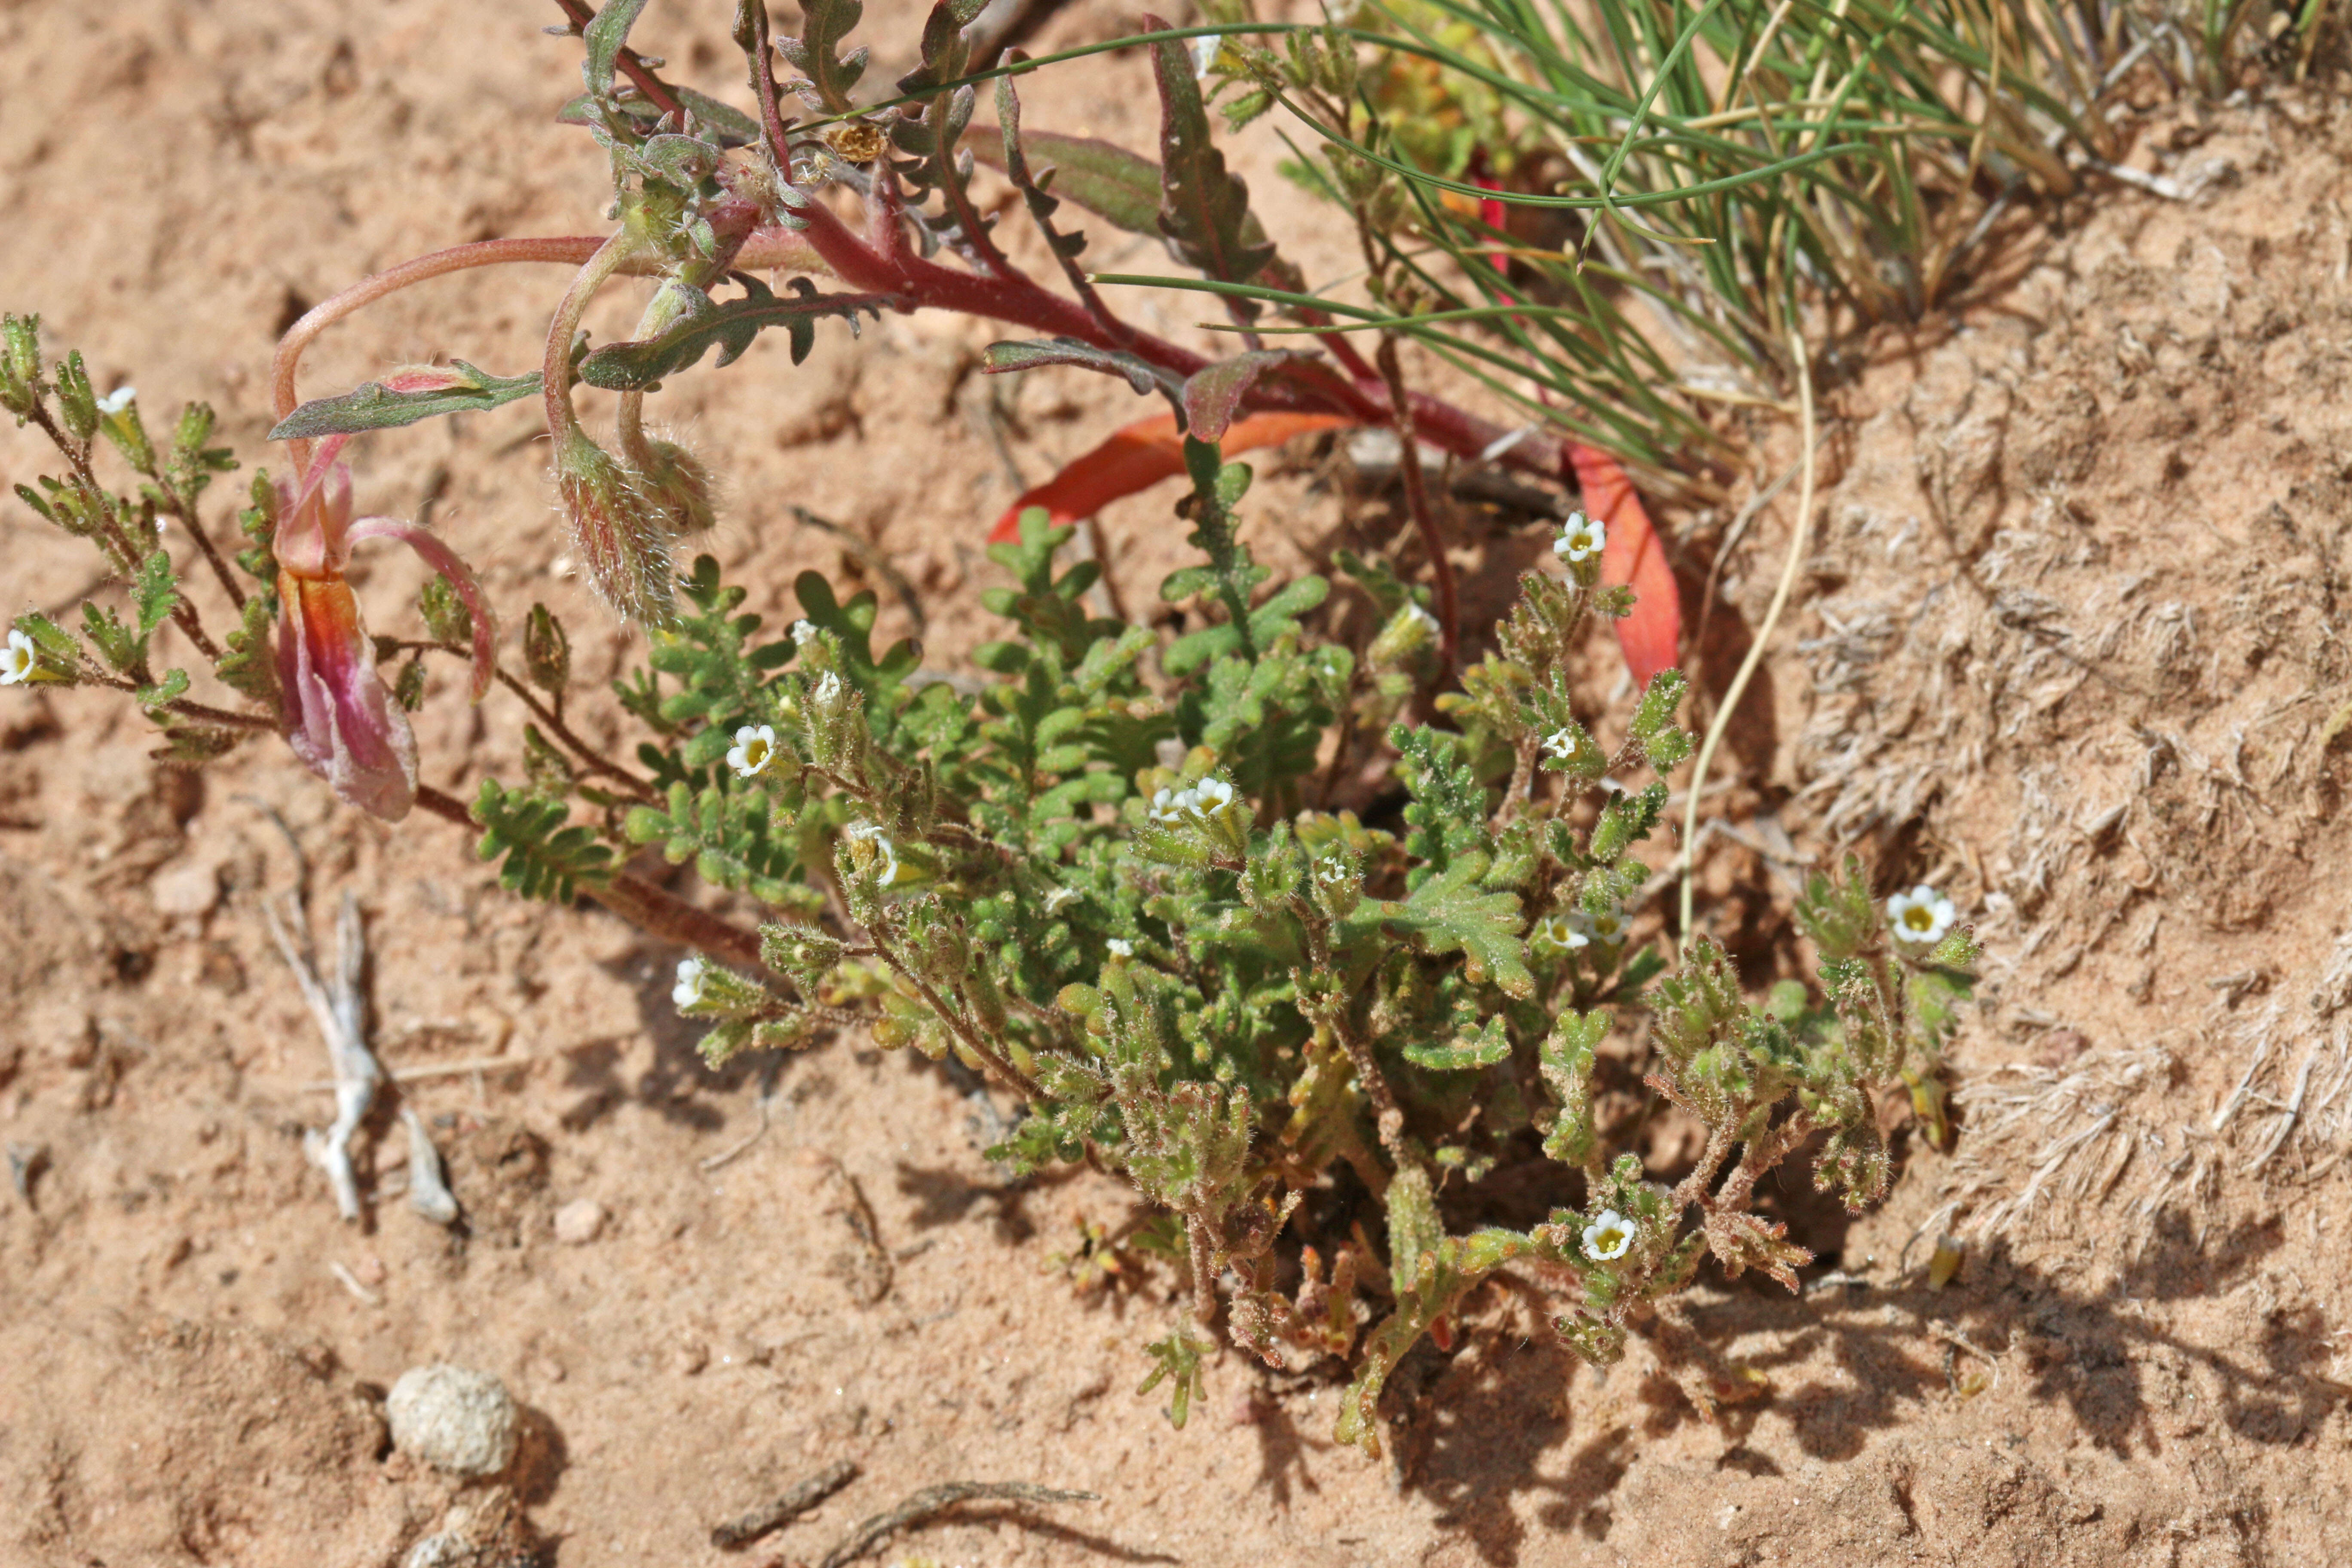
[632, 67]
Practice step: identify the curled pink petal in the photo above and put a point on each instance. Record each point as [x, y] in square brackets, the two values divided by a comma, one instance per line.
[339, 718]
[312, 517]
[460, 576]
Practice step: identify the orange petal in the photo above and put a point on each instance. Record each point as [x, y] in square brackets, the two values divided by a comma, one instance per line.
[1139, 456]
[1650, 636]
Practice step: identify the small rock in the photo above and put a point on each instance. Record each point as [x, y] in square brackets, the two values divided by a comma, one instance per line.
[186, 887]
[370, 1270]
[454, 1419]
[2061, 1046]
[579, 1221]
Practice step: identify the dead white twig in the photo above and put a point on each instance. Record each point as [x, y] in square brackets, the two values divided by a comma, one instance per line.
[340, 1013]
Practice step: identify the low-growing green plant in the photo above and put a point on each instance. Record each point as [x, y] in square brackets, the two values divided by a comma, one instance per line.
[1109, 874]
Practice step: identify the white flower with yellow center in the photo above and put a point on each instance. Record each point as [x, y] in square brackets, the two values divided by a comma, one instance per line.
[18, 664]
[117, 400]
[1060, 896]
[1921, 916]
[1607, 928]
[754, 749]
[1120, 948]
[1206, 798]
[883, 850]
[1562, 743]
[802, 632]
[1581, 539]
[689, 989]
[1554, 934]
[1607, 1237]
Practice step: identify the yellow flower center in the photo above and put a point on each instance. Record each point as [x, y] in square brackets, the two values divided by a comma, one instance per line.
[1917, 918]
[755, 754]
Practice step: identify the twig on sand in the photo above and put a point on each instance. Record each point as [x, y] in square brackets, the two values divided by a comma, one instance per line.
[798, 1499]
[350, 1281]
[428, 1188]
[341, 1012]
[932, 1502]
[726, 1156]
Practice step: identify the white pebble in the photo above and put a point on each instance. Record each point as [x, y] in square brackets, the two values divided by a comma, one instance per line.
[579, 1221]
[454, 1419]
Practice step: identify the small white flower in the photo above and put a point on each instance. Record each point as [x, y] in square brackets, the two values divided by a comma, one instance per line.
[1607, 928]
[1562, 743]
[689, 989]
[1922, 915]
[1553, 934]
[754, 749]
[117, 400]
[1211, 797]
[828, 690]
[1333, 873]
[17, 665]
[1058, 897]
[883, 847]
[1422, 618]
[1121, 949]
[1581, 539]
[1607, 1237]
[1165, 807]
[1204, 53]
[802, 631]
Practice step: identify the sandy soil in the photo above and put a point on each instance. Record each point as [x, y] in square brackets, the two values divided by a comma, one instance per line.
[2080, 551]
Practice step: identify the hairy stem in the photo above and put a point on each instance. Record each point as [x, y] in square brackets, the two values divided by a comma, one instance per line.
[594, 761]
[635, 900]
[555, 370]
[1416, 499]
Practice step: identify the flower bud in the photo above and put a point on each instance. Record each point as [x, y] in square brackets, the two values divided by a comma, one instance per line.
[680, 486]
[621, 536]
[1410, 634]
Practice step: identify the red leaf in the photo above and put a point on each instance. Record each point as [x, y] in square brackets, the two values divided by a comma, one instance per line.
[1139, 456]
[1634, 554]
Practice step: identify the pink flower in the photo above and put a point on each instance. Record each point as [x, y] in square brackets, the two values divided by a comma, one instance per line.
[340, 718]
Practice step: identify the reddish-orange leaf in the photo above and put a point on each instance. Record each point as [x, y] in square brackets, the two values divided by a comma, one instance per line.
[1634, 554]
[1139, 456]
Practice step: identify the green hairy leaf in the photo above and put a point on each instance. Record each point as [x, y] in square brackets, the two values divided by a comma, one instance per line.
[544, 855]
[1203, 208]
[374, 406]
[605, 36]
[827, 74]
[998, 359]
[705, 325]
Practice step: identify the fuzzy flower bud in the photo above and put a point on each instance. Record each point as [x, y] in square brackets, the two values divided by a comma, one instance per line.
[621, 536]
[1411, 632]
[677, 483]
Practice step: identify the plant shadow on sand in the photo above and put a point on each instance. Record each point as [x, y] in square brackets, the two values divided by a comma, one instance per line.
[1497, 1420]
